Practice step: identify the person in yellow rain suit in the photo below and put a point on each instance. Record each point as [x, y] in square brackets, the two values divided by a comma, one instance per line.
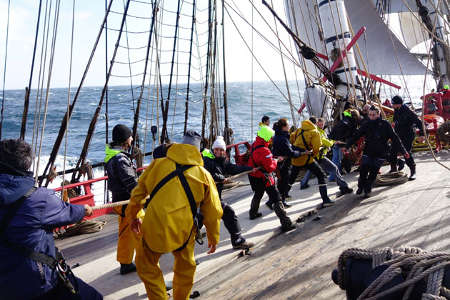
[178, 186]
[122, 178]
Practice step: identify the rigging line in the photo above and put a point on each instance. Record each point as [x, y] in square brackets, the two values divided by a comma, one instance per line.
[275, 32]
[91, 129]
[68, 98]
[68, 113]
[210, 24]
[214, 122]
[186, 112]
[28, 91]
[256, 59]
[42, 67]
[225, 95]
[106, 98]
[50, 72]
[4, 68]
[423, 103]
[308, 80]
[252, 86]
[347, 72]
[400, 66]
[166, 108]
[129, 63]
[147, 104]
[290, 57]
[294, 119]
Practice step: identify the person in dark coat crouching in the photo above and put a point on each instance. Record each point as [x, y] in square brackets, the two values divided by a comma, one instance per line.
[28, 216]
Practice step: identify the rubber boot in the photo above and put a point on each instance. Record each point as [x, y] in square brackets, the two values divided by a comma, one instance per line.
[412, 167]
[393, 168]
[324, 194]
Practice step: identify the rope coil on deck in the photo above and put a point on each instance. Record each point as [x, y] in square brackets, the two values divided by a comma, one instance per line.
[412, 262]
[391, 179]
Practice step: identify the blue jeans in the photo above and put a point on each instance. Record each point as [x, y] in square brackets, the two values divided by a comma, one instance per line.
[336, 159]
[330, 168]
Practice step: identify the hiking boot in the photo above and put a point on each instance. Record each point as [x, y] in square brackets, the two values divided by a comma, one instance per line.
[269, 205]
[289, 227]
[127, 268]
[393, 168]
[412, 176]
[255, 216]
[401, 164]
[285, 204]
[242, 244]
[327, 203]
[344, 191]
[359, 191]
[304, 186]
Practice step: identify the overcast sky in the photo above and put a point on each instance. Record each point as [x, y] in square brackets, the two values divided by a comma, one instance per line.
[88, 18]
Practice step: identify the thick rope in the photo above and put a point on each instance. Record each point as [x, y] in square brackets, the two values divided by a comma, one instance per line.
[414, 262]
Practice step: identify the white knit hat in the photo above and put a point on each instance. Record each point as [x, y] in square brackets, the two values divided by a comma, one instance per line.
[219, 143]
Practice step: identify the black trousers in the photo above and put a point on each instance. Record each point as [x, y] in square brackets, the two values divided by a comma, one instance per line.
[368, 172]
[314, 167]
[395, 149]
[259, 187]
[84, 292]
[283, 182]
[231, 222]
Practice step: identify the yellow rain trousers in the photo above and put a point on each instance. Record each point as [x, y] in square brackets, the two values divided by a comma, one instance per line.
[127, 241]
[168, 220]
[152, 277]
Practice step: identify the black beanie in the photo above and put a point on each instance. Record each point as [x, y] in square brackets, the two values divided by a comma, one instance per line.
[121, 133]
[397, 100]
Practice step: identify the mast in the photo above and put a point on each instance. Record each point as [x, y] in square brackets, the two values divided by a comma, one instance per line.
[208, 55]
[440, 51]
[337, 36]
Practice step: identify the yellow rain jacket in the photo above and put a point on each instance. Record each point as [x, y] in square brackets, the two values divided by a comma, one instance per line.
[313, 142]
[168, 219]
[326, 143]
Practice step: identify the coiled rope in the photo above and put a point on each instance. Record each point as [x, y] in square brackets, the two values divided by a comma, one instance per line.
[413, 263]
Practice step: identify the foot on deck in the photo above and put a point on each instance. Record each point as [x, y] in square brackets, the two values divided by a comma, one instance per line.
[242, 244]
[304, 186]
[269, 205]
[255, 216]
[286, 205]
[344, 191]
[286, 228]
[359, 191]
[327, 203]
[127, 268]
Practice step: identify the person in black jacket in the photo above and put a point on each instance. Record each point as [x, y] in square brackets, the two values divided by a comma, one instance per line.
[281, 146]
[404, 119]
[217, 164]
[377, 132]
[342, 131]
[122, 178]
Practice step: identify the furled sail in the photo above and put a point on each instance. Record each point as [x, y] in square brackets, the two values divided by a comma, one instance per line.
[380, 48]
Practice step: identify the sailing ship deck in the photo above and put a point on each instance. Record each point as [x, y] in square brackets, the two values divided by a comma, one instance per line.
[296, 265]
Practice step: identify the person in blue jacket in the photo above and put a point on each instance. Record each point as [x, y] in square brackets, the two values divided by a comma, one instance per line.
[28, 216]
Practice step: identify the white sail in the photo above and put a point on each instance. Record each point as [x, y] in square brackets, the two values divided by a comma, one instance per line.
[412, 31]
[397, 6]
[381, 49]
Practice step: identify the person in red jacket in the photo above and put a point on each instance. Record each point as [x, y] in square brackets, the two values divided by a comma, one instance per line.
[262, 180]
